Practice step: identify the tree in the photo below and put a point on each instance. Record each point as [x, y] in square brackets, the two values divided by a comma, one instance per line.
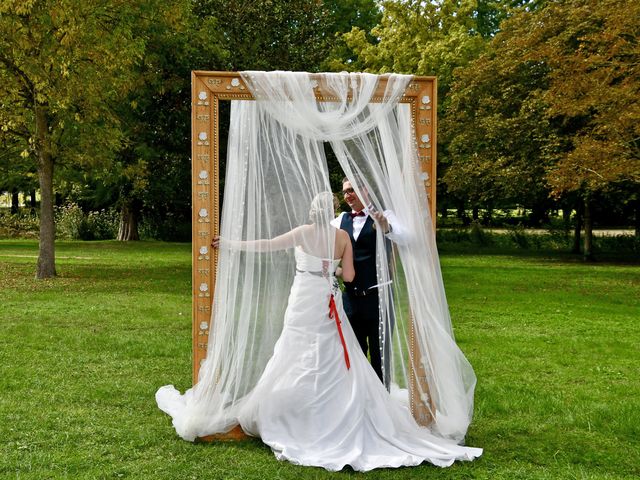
[344, 16]
[556, 94]
[152, 172]
[288, 35]
[434, 38]
[17, 173]
[148, 178]
[424, 38]
[592, 51]
[151, 175]
[285, 35]
[63, 64]
[499, 140]
[595, 50]
[298, 35]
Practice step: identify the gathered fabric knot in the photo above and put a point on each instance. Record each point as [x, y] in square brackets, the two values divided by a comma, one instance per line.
[333, 313]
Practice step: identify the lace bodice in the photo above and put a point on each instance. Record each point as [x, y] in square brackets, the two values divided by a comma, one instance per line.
[305, 262]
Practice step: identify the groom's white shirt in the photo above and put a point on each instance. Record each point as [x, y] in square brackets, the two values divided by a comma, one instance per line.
[395, 235]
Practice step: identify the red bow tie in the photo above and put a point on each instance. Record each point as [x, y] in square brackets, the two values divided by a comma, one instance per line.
[357, 214]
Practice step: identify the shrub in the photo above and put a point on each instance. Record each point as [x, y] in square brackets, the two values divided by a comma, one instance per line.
[73, 223]
[618, 243]
[519, 236]
[478, 235]
[19, 225]
[69, 219]
[452, 235]
[100, 225]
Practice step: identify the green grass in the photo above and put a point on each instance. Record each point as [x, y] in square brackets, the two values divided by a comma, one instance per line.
[554, 343]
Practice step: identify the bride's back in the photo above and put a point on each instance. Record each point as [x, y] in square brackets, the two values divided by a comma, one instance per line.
[322, 242]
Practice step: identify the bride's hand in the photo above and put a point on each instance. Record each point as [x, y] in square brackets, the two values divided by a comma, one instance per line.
[339, 272]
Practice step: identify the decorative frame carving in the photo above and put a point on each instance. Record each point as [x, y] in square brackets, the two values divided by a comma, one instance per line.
[207, 90]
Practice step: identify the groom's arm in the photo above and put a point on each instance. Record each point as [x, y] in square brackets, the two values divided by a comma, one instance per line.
[391, 227]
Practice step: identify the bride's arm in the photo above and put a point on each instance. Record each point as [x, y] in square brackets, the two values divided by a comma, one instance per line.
[281, 242]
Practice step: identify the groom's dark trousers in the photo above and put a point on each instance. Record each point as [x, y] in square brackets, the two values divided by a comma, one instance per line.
[360, 302]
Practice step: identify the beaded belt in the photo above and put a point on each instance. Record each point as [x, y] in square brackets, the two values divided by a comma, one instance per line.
[317, 274]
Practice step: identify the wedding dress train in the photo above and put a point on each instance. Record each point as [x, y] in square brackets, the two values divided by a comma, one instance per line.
[312, 410]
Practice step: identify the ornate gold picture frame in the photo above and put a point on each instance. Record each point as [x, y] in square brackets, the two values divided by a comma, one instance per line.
[207, 90]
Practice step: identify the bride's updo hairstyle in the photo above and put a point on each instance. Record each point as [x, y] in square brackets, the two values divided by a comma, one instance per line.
[322, 209]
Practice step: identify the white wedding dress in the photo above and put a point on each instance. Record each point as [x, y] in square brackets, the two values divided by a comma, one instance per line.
[311, 410]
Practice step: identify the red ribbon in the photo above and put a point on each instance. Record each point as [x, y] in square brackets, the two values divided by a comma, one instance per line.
[333, 313]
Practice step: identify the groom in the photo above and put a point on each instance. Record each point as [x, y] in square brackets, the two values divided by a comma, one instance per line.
[359, 299]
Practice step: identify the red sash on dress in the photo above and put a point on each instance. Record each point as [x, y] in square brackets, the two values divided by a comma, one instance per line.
[333, 313]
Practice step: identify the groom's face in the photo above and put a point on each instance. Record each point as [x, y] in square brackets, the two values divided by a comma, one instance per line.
[351, 198]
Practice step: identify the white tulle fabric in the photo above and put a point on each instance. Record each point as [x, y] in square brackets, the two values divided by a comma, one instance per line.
[259, 359]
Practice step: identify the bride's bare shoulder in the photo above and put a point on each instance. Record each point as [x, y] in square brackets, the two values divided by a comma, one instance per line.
[342, 237]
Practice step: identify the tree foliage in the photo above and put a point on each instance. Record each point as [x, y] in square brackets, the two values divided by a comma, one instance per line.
[71, 59]
[436, 38]
[63, 64]
[592, 52]
[17, 172]
[429, 38]
[537, 99]
[151, 175]
[298, 35]
[556, 99]
[286, 35]
[552, 108]
[497, 135]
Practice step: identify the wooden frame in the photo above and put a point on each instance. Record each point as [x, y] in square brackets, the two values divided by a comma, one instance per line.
[207, 90]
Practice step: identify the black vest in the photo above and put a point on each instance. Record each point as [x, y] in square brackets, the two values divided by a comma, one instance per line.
[364, 253]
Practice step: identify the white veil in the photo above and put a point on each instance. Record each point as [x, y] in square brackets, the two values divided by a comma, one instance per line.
[275, 168]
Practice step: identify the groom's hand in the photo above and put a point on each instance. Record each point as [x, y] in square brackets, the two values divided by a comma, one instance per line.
[381, 220]
[215, 242]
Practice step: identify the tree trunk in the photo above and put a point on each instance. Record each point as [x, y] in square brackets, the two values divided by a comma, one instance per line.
[32, 195]
[539, 215]
[46, 267]
[577, 229]
[487, 218]
[638, 218]
[588, 231]
[128, 222]
[15, 201]
[444, 211]
[566, 218]
[475, 214]
[461, 213]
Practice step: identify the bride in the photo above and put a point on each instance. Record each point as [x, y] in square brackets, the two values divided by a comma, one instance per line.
[318, 401]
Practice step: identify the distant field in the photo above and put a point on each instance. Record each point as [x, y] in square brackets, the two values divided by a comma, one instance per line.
[554, 343]
[599, 232]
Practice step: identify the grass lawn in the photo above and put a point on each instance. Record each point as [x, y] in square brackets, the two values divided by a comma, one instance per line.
[554, 343]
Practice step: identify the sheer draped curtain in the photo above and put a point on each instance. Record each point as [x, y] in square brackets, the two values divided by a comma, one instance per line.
[275, 168]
